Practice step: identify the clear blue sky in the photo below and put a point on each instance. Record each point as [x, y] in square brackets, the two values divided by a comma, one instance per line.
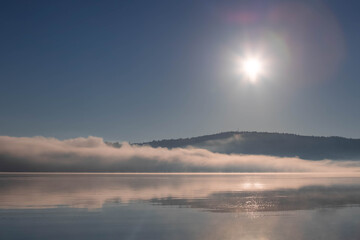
[143, 70]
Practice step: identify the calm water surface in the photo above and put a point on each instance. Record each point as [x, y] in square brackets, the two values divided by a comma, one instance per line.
[179, 206]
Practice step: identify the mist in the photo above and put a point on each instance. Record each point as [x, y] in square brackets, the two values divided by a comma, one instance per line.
[92, 154]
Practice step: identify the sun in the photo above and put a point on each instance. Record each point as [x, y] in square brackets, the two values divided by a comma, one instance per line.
[252, 68]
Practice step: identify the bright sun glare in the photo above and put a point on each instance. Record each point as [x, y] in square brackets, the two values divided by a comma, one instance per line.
[252, 68]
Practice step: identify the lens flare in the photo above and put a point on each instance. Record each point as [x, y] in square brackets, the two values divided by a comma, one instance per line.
[252, 68]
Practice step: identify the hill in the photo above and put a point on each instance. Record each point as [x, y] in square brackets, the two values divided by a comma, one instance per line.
[274, 144]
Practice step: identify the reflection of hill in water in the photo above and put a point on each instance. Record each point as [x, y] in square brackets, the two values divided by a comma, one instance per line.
[275, 144]
[213, 192]
[279, 200]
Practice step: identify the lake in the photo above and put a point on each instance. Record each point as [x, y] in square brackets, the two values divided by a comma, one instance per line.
[180, 206]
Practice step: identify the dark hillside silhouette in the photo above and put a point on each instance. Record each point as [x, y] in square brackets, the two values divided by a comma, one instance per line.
[274, 144]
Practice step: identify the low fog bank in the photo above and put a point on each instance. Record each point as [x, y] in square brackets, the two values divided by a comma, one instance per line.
[92, 154]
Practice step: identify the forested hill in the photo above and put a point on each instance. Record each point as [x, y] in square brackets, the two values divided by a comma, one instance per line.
[275, 144]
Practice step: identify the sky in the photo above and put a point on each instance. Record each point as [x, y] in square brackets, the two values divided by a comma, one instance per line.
[144, 70]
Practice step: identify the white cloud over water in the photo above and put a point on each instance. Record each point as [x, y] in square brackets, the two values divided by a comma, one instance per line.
[94, 155]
